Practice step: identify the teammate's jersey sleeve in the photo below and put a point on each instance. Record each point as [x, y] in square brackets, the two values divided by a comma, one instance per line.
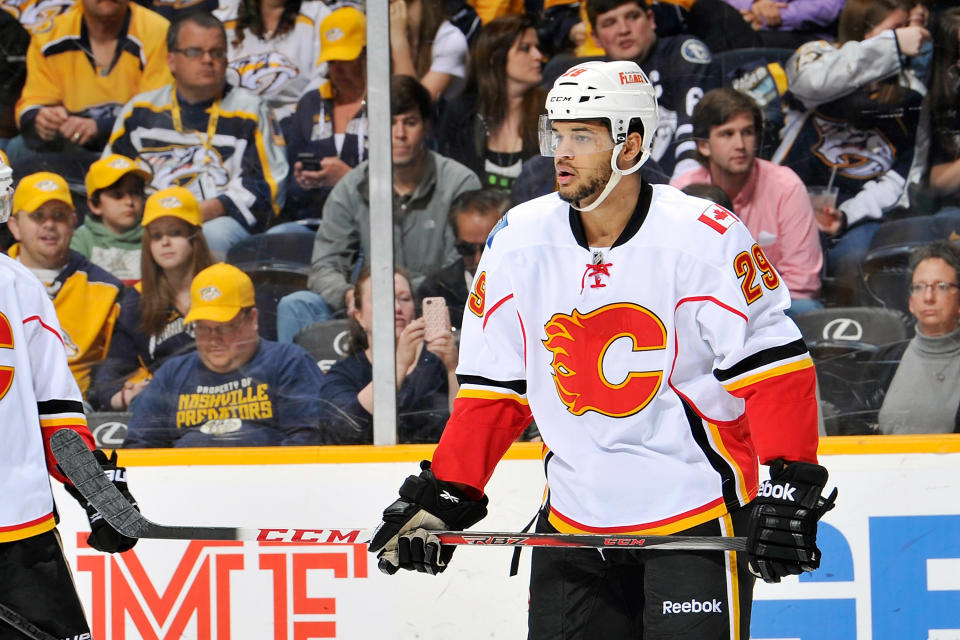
[58, 397]
[758, 353]
[491, 408]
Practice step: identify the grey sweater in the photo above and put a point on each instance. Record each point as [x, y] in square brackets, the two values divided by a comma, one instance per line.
[422, 240]
[925, 392]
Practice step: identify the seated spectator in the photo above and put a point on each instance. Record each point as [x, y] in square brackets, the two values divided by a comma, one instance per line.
[426, 375]
[201, 133]
[943, 101]
[424, 44]
[150, 328]
[790, 23]
[110, 234]
[771, 200]
[922, 395]
[36, 14]
[80, 72]
[329, 127]
[492, 126]
[473, 215]
[236, 389]
[85, 296]
[678, 67]
[272, 48]
[853, 113]
[424, 185]
[172, 10]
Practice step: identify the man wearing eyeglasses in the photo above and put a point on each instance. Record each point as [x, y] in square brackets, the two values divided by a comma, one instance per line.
[218, 141]
[85, 296]
[923, 394]
[236, 389]
[473, 215]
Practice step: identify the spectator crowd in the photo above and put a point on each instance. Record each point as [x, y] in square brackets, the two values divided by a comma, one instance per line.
[158, 145]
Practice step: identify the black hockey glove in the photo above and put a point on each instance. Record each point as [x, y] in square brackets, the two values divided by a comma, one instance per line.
[783, 523]
[403, 540]
[102, 536]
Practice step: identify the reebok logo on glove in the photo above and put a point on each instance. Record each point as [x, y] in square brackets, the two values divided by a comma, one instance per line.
[778, 491]
[116, 475]
[449, 497]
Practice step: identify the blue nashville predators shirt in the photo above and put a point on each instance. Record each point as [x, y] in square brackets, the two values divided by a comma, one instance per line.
[271, 400]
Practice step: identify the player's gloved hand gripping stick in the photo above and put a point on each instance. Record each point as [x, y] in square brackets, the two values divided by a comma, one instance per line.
[104, 537]
[404, 541]
[783, 526]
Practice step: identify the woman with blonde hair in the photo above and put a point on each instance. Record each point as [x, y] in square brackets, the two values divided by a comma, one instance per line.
[150, 328]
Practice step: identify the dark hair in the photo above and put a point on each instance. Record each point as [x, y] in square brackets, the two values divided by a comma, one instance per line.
[95, 196]
[596, 7]
[201, 19]
[487, 78]
[717, 107]
[156, 293]
[249, 17]
[432, 15]
[407, 94]
[944, 74]
[357, 338]
[709, 192]
[492, 202]
[946, 251]
[858, 17]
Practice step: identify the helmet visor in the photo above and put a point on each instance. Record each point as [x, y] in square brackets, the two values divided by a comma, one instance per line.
[573, 137]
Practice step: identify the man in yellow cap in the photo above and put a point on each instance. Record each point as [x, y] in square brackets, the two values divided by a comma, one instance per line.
[85, 296]
[236, 389]
[336, 108]
[110, 236]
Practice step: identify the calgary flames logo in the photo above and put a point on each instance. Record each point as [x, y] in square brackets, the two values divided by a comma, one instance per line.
[6, 342]
[579, 343]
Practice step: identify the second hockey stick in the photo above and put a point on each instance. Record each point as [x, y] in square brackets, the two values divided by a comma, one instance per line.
[83, 470]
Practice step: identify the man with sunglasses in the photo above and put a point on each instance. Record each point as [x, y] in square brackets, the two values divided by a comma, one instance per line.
[473, 215]
[236, 389]
[201, 133]
[85, 296]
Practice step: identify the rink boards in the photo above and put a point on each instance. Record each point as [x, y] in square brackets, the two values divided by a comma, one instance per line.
[891, 550]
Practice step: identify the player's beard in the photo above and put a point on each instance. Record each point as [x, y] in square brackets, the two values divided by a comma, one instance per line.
[591, 187]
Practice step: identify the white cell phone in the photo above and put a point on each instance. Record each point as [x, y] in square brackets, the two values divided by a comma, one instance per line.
[436, 317]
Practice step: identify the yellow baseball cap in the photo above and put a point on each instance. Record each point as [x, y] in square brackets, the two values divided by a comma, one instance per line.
[106, 171]
[343, 35]
[218, 293]
[173, 201]
[39, 188]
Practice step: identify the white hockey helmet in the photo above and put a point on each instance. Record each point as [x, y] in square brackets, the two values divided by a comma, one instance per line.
[617, 92]
[6, 188]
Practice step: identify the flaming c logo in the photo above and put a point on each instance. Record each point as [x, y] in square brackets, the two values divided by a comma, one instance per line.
[6, 342]
[579, 343]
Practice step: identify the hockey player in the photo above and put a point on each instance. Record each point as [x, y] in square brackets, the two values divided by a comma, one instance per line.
[644, 330]
[38, 395]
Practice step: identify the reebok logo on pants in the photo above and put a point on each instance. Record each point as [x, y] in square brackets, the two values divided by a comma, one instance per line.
[692, 606]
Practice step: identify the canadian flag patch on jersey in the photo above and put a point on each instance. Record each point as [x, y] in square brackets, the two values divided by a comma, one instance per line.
[718, 219]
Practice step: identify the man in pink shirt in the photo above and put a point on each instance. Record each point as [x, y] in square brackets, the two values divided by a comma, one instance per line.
[770, 199]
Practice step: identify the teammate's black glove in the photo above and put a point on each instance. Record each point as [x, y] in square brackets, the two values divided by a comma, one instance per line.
[403, 540]
[783, 523]
[102, 536]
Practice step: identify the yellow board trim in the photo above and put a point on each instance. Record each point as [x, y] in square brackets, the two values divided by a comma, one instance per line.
[365, 454]
[770, 373]
[28, 532]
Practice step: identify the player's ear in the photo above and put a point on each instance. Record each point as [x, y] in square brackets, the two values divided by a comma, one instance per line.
[632, 149]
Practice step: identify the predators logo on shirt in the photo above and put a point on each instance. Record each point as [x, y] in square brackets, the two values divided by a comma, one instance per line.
[580, 343]
[262, 72]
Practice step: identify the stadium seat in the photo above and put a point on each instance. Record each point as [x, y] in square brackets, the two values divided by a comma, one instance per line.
[843, 342]
[278, 265]
[884, 269]
[326, 341]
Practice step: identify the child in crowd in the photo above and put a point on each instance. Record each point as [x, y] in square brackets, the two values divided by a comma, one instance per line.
[110, 237]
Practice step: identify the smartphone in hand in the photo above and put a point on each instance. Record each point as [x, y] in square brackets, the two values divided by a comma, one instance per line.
[309, 162]
[436, 317]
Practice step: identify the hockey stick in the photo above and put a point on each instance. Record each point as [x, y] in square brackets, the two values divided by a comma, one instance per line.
[23, 625]
[81, 467]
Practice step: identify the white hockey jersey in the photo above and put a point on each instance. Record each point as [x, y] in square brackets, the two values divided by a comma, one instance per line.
[657, 369]
[38, 395]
